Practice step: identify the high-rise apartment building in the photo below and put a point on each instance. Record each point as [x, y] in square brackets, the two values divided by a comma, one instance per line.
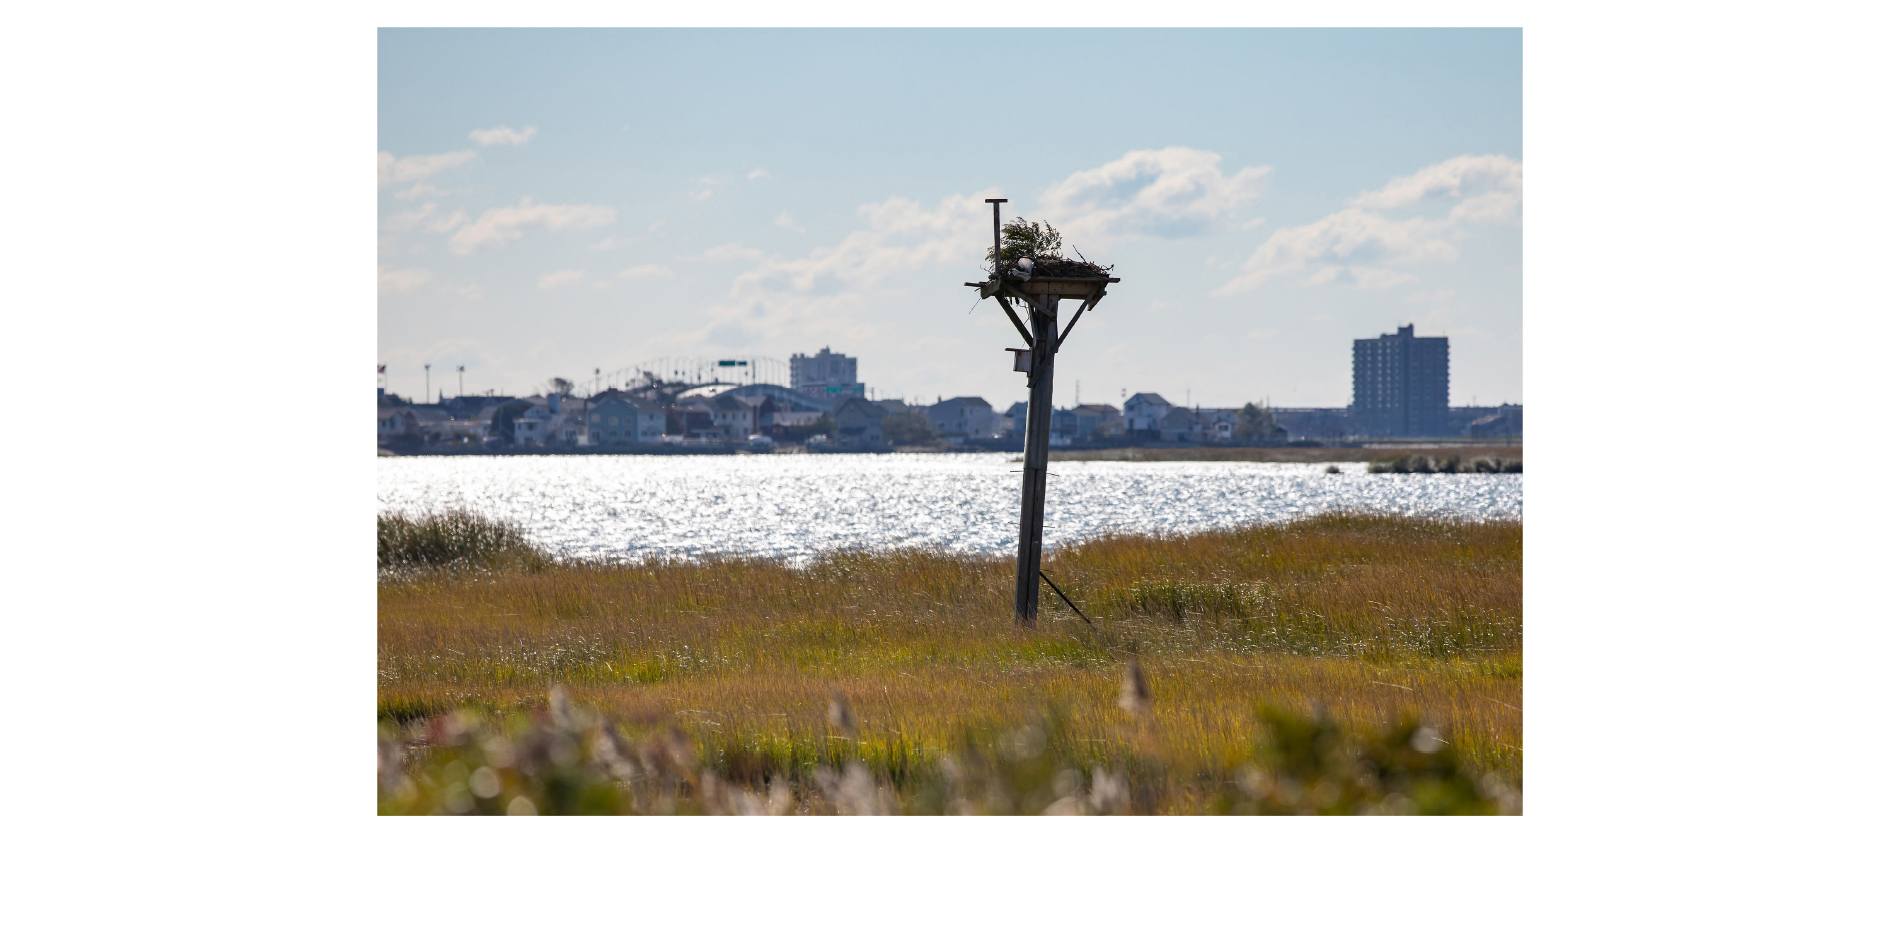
[1401, 385]
[826, 374]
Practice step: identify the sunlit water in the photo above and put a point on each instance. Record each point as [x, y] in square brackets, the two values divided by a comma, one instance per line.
[796, 505]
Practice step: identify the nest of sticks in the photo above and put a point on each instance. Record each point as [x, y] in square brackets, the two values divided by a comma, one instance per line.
[1041, 245]
[1055, 265]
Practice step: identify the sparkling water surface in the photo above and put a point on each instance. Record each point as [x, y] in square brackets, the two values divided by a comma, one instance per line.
[794, 506]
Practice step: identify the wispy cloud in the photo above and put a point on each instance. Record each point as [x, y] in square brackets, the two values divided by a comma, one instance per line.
[832, 291]
[419, 191]
[645, 271]
[731, 251]
[507, 223]
[784, 221]
[424, 217]
[1427, 297]
[1459, 179]
[1363, 246]
[400, 280]
[502, 135]
[559, 278]
[1170, 192]
[390, 169]
[758, 173]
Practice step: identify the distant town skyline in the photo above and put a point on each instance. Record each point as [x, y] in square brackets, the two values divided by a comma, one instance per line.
[553, 201]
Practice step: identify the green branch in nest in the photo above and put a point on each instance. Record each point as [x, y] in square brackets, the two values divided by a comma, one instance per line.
[1042, 245]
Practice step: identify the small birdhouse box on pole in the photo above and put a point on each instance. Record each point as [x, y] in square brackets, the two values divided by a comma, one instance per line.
[1039, 281]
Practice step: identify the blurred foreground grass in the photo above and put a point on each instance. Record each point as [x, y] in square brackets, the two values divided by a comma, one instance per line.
[896, 680]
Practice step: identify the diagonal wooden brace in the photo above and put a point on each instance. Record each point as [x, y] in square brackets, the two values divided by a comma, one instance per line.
[1015, 320]
[1078, 315]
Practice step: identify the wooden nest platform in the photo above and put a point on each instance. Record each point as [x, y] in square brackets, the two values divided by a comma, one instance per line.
[1051, 266]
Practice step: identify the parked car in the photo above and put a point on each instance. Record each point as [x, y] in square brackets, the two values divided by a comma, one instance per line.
[759, 441]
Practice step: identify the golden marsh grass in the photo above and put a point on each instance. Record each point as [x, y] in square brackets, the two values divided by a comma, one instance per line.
[1372, 617]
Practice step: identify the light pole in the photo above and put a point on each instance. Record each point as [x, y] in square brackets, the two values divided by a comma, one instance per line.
[458, 380]
[425, 383]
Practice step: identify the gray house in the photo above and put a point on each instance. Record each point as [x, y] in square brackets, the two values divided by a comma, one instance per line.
[618, 418]
[1183, 425]
[860, 422]
[964, 416]
[1144, 411]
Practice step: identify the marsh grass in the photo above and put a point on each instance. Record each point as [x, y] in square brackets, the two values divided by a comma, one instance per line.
[1279, 454]
[572, 759]
[451, 539]
[1420, 463]
[1373, 618]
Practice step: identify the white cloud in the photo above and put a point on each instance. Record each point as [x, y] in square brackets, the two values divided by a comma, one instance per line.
[758, 173]
[1169, 192]
[502, 135]
[420, 190]
[506, 224]
[785, 221]
[832, 291]
[559, 278]
[731, 251]
[645, 271]
[1460, 178]
[1362, 246]
[400, 280]
[390, 169]
[424, 217]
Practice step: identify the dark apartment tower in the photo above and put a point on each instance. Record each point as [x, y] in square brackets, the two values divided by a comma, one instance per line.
[1401, 385]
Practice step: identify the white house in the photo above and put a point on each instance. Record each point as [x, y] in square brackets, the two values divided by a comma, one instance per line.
[736, 417]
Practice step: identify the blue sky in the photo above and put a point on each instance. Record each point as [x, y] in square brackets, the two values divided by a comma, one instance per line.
[555, 201]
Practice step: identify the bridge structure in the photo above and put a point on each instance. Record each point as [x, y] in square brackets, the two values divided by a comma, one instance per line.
[690, 372]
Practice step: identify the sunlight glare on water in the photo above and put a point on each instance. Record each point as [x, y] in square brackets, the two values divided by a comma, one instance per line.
[794, 506]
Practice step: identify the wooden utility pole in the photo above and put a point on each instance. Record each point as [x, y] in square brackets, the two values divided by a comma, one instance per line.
[1042, 297]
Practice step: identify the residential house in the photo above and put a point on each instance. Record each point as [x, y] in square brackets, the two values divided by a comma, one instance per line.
[860, 422]
[734, 416]
[532, 426]
[427, 424]
[964, 417]
[550, 421]
[1183, 425]
[1506, 422]
[1062, 426]
[1097, 420]
[1144, 412]
[615, 417]
[395, 421]
[1015, 419]
[1221, 423]
[1315, 424]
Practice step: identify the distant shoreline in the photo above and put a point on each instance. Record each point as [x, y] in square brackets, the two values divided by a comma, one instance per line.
[1151, 453]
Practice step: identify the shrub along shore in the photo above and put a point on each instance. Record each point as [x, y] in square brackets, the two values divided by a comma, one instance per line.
[1338, 664]
[1290, 454]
